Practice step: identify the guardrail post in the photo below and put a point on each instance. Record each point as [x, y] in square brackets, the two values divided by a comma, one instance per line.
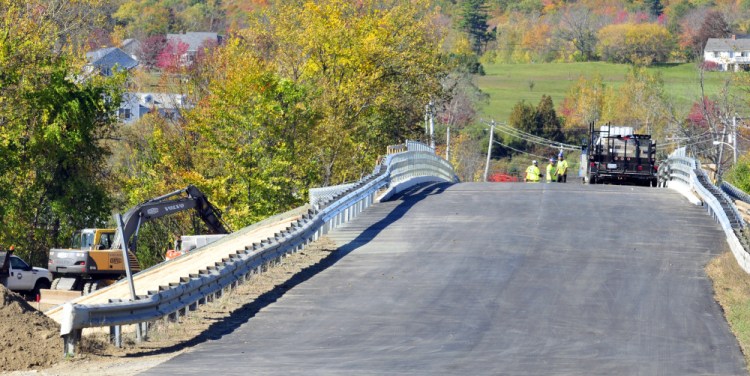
[115, 335]
[142, 331]
[70, 341]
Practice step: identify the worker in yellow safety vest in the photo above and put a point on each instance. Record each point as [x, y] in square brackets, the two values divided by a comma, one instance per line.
[532, 173]
[551, 171]
[562, 169]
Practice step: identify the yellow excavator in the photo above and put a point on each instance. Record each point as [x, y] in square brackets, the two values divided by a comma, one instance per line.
[95, 257]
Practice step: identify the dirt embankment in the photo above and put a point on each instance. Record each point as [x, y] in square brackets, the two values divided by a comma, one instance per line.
[29, 339]
[96, 357]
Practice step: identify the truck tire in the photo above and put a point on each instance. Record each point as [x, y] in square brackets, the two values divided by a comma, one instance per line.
[55, 282]
[90, 287]
[86, 288]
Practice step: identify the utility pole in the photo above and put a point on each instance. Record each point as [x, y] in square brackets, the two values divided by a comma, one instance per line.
[432, 125]
[448, 144]
[721, 155]
[734, 139]
[489, 150]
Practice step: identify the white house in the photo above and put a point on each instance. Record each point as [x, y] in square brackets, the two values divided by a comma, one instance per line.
[729, 53]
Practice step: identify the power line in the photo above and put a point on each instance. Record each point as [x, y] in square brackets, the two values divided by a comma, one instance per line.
[520, 151]
[539, 138]
[535, 139]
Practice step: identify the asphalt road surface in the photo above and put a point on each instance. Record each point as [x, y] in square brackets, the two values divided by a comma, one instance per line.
[496, 279]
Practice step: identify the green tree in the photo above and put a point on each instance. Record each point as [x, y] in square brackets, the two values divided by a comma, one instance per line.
[474, 15]
[547, 123]
[655, 8]
[53, 175]
[523, 118]
[739, 175]
[253, 150]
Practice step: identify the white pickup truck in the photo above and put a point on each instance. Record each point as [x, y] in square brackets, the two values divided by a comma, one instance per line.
[17, 275]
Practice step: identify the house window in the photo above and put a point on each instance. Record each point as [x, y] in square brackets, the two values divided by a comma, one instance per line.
[716, 54]
[125, 113]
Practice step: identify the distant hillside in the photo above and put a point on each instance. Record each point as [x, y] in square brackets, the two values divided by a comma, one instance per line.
[507, 84]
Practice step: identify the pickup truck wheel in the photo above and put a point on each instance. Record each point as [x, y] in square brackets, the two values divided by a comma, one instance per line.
[55, 282]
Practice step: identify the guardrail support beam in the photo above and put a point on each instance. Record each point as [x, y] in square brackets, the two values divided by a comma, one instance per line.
[115, 335]
[70, 341]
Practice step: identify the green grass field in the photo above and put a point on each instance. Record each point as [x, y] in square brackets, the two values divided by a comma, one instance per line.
[507, 84]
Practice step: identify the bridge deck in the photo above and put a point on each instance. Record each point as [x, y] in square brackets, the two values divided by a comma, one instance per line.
[498, 279]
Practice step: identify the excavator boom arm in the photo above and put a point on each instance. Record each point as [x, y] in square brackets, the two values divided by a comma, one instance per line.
[166, 205]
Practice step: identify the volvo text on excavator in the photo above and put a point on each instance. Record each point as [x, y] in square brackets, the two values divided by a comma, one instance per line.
[95, 258]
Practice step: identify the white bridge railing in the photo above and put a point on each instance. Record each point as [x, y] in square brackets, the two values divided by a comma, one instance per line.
[685, 176]
[414, 163]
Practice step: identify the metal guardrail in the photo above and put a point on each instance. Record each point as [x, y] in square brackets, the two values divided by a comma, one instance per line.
[418, 146]
[323, 194]
[735, 192]
[684, 172]
[177, 298]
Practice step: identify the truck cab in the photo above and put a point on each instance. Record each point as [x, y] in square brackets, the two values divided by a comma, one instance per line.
[17, 275]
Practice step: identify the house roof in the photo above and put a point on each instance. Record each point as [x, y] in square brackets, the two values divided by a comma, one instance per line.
[131, 46]
[727, 44]
[193, 39]
[108, 58]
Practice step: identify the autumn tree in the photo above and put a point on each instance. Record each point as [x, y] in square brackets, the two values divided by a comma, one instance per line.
[682, 22]
[585, 102]
[640, 102]
[254, 132]
[170, 58]
[141, 19]
[578, 26]
[714, 26]
[466, 156]
[151, 49]
[372, 66]
[641, 44]
[78, 22]
[53, 127]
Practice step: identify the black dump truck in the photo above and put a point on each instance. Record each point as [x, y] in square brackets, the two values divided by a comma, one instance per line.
[617, 155]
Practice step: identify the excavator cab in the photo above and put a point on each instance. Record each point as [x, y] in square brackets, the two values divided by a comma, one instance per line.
[92, 239]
